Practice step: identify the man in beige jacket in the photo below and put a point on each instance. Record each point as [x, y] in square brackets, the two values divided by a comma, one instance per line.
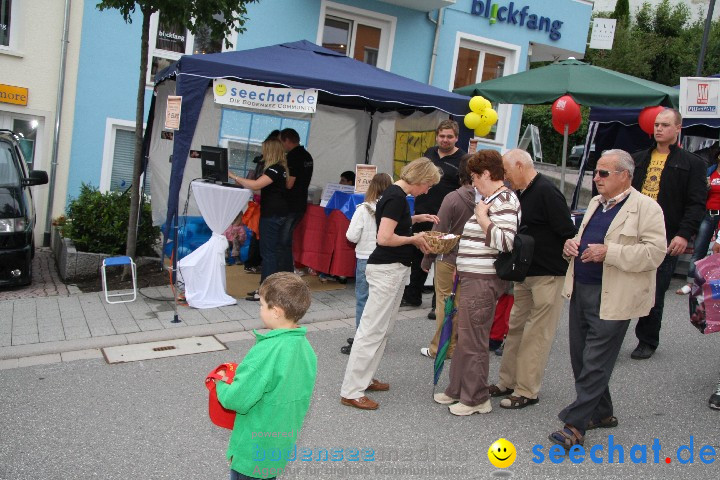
[611, 279]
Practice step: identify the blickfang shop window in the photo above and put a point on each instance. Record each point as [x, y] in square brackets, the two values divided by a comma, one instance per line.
[5, 10]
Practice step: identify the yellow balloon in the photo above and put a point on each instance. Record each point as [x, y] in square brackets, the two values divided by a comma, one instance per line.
[482, 130]
[491, 116]
[478, 103]
[472, 120]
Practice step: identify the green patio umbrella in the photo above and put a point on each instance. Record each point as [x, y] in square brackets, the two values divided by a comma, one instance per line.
[587, 84]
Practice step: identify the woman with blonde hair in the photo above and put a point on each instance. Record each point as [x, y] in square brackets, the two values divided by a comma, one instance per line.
[387, 272]
[363, 231]
[273, 206]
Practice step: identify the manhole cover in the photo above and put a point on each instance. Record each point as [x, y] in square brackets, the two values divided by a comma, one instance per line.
[169, 348]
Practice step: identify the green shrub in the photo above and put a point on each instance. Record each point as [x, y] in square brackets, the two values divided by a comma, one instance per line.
[98, 223]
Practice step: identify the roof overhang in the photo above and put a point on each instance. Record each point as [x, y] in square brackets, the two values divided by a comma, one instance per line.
[539, 52]
[422, 5]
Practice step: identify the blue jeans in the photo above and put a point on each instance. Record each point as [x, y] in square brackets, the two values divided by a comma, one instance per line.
[647, 329]
[702, 241]
[270, 231]
[361, 289]
[285, 259]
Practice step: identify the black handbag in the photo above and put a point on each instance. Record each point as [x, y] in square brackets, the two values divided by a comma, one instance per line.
[514, 265]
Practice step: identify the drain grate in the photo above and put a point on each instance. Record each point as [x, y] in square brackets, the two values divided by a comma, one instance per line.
[171, 348]
[164, 349]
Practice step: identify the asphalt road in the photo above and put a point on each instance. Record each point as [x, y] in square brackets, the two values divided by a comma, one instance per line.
[148, 420]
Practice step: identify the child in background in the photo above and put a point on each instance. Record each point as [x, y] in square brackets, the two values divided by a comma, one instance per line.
[236, 235]
[273, 385]
[363, 232]
[347, 178]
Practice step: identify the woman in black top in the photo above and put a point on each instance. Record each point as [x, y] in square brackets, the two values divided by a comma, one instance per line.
[387, 272]
[273, 206]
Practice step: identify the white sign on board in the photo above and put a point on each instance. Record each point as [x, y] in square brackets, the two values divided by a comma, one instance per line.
[700, 97]
[229, 92]
[603, 33]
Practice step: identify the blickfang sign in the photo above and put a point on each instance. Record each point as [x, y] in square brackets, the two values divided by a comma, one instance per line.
[229, 92]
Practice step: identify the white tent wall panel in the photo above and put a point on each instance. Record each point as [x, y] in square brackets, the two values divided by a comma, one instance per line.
[337, 141]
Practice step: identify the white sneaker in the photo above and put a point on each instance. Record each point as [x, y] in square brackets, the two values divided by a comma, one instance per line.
[443, 399]
[684, 290]
[300, 271]
[425, 352]
[462, 409]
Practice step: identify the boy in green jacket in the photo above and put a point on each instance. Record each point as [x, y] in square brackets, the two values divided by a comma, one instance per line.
[273, 385]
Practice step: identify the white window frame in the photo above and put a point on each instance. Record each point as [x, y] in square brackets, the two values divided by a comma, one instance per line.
[112, 125]
[496, 47]
[15, 18]
[174, 56]
[386, 23]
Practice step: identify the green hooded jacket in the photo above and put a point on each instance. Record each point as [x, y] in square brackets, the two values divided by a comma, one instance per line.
[271, 394]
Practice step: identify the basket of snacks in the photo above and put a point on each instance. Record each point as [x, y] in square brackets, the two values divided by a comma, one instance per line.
[441, 243]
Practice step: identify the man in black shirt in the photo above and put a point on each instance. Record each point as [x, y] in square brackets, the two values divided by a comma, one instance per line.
[445, 155]
[300, 168]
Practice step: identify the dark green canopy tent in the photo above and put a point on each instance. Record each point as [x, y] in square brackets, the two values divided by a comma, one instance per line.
[587, 84]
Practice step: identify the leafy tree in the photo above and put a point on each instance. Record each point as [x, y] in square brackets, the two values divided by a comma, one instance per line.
[218, 17]
[622, 11]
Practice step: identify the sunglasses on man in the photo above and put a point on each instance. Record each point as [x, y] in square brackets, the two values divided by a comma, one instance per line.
[605, 173]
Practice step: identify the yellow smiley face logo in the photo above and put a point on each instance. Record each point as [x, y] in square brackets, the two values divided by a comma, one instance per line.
[220, 89]
[502, 453]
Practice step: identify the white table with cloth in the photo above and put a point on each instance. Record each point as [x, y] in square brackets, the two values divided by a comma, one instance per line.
[203, 271]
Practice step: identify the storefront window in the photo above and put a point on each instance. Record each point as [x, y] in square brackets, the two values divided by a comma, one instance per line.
[478, 63]
[5, 9]
[363, 35]
[242, 133]
[203, 41]
[171, 41]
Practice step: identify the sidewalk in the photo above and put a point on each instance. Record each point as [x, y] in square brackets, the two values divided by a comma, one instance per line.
[45, 321]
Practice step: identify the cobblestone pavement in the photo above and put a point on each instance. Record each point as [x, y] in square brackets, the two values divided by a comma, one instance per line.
[40, 322]
[45, 280]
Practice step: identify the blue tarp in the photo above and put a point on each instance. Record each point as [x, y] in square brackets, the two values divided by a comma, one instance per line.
[342, 81]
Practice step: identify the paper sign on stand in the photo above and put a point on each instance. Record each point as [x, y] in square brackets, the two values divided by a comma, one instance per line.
[331, 188]
[172, 112]
[363, 176]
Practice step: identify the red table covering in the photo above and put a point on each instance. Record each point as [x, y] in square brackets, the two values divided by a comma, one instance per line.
[319, 242]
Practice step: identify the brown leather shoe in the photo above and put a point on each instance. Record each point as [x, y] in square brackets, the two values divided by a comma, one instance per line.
[377, 386]
[363, 403]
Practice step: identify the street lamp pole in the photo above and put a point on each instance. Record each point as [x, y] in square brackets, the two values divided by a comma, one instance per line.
[706, 34]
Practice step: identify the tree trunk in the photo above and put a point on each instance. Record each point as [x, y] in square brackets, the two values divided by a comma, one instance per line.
[137, 161]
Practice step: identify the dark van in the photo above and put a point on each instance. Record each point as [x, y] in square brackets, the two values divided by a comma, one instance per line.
[17, 212]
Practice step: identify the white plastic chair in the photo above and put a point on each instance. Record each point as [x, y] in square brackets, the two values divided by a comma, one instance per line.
[120, 262]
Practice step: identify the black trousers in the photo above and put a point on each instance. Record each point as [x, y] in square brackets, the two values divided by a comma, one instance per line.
[413, 291]
[647, 329]
[594, 347]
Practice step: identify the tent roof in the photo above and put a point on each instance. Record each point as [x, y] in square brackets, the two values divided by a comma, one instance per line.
[342, 81]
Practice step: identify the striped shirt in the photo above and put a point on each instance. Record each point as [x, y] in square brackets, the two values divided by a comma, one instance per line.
[478, 251]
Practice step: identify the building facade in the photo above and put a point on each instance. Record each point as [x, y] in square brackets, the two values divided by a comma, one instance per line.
[446, 43]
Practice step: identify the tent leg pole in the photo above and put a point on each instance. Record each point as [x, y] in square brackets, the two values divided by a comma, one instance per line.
[174, 270]
[564, 157]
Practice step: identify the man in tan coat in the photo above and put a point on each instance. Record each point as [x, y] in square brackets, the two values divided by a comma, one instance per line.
[611, 279]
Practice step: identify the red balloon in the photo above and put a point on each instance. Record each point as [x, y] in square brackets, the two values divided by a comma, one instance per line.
[564, 109]
[573, 125]
[646, 119]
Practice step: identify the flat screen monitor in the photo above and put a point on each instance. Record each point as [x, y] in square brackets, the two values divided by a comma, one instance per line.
[214, 163]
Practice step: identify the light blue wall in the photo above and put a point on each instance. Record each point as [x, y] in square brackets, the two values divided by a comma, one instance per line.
[106, 88]
[110, 48]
